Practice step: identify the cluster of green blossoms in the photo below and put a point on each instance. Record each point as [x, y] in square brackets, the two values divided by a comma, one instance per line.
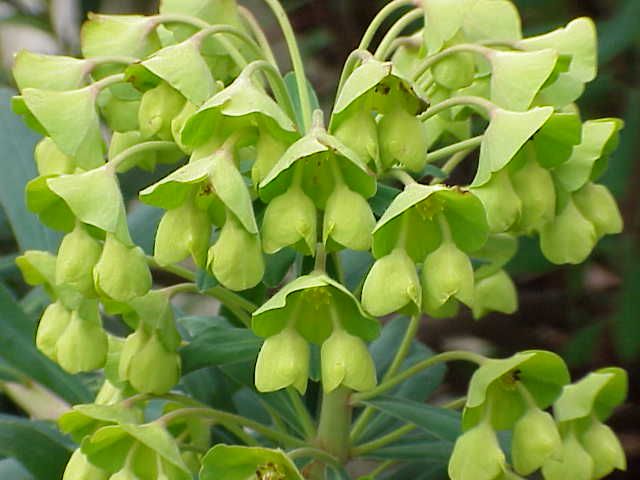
[264, 174]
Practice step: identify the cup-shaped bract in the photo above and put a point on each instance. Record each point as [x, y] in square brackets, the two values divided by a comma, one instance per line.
[151, 368]
[500, 200]
[318, 162]
[496, 20]
[569, 237]
[290, 219]
[181, 66]
[535, 439]
[477, 455]
[358, 130]
[412, 221]
[51, 160]
[348, 220]
[122, 273]
[148, 451]
[283, 361]
[158, 107]
[83, 345]
[447, 274]
[311, 304]
[246, 105]
[71, 120]
[598, 206]
[494, 390]
[494, 293]
[345, 360]
[182, 232]
[507, 132]
[597, 395]
[234, 462]
[77, 255]
[120, 114]
[555, 141]
[602, 444]
[53, 323]
[391, 285]
[573, 462]
[236, 258]
[79, 468]
[128, 35]
[403, 140]
[49, 72]
[536, 193]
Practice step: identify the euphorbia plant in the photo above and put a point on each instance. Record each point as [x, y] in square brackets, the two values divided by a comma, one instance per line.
[265, 215]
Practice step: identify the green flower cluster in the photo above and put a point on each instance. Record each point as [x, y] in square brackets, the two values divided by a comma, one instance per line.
[257, 172]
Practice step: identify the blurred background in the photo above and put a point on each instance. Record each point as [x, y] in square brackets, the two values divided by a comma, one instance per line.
[590, 314]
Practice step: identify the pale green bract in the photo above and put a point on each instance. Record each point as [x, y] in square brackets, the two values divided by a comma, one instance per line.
[262, 209]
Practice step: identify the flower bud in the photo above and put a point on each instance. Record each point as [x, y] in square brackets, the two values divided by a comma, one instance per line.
[502, 204]
[132, 345]
[53, 323]
[83, 345]
[153, 369]
[346, 361]
[534, 186]
[290, 220]
[268, 151]
[391, 284]
[574, 462]
[477, 455]
[78, 254]
[597, 205]
[283, 361]
[50, 159]
[447, 273]
[358, 131]
[403, 139]
[568, 238]
[495, 293]
[182, 231]
[348, 219]
[236, 258]
[79, 468]
[604, 448]
[178, 122]
[121, 273]
[158, 107]
[535, 438]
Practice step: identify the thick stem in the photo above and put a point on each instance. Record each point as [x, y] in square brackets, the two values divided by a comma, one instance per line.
[335, 419]
[296, 61]
[387, 385]
[395, 31]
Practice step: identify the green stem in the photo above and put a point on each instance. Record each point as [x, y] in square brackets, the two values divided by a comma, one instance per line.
[275, 81]
[383, 441]
[229, 30]
[468, 144]
[480, 102]
[296, 61]
[252, 23]
[402, 352]
[97, 61]
[115, 162]
[335, 418]
[337, 264]
[381, 468]
[431, 60]
[395, 31]
[454, 355]
[227, 296]
[455, 404]
[321, 258]
[310, 452]
[379, 19]
[180, 288]
[177, 270]
[451, 164]
[302, 413]
[354, 58]
[403, 176]
[106, 82]
[226, 417]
